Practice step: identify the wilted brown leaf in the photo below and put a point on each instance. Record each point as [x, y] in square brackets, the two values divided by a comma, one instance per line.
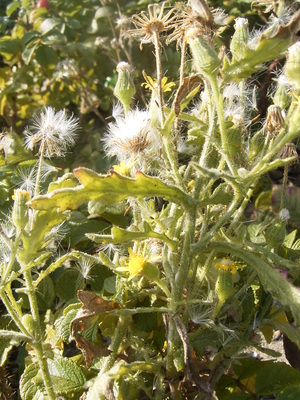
[190, 83]
[92, 306]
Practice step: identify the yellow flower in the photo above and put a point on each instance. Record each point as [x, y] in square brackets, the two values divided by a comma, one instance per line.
[135, 264]
[152, 83]
[123, 168]
[227, 265]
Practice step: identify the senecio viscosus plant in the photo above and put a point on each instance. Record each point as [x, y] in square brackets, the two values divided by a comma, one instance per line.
[191, 275]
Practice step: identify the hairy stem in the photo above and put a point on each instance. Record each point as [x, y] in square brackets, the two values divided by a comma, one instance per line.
[220, 111]
[38, 346]
[159, 76]
[39, 171]
[116, 342]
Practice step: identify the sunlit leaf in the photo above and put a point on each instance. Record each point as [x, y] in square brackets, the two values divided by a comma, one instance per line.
[66, 377]
[108, 189]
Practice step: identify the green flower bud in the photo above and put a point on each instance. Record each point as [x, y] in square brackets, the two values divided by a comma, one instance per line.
[20, 208]
[205, 58]
[239, 39]
[28, 322]
[224, 288]
[292, 70]
[281, 97]
[124, 89]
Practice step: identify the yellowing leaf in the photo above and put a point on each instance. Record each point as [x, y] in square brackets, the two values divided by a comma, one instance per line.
[108, 189]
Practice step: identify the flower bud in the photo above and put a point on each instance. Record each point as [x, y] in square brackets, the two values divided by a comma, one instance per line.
[28, 322]
[20, 208]
[224, 288]
[205, 58]
[239, 39]
[124, 89]
[274, 121]
[292, 70]
[281, 97]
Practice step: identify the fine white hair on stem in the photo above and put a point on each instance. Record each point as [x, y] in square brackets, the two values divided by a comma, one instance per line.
[53, 132]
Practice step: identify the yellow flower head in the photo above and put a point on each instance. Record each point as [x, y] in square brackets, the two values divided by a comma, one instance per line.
[151, 84]
[227, 265]
[123, 168]
[135, 264]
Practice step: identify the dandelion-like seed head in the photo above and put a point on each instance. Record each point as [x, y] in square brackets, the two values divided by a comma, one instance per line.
[196, 14]
[53, 132]
[6, 141]
[147, 26]
[131, 138]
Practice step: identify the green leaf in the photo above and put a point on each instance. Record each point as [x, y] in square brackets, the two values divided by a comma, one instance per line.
[271, 278]
[45, 294]
[108, 189]
[9, 46]
[275, 377]
[67, 378]
[48, 25]
[62, 324]
[52, 267]
[110, 284]
[36, 241]
[28, 52]
[13, 337]
[66, 181]
[291, 393]
[267, 49]
[47, 57]
[5, 348]
[119, 235]
[12, 7]
[79, 226]
[68, 283]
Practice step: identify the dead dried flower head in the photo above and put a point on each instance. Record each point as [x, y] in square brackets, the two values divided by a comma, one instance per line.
[150, 26]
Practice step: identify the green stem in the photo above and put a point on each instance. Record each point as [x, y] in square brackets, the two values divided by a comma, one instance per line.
[12, 312]
[225, 217]
[12, 257]
[172, 346]
[38, 346]
[163, 287]
[182, 273]
[115, 344]
[173, 163]
[284, 185]
[159, 76]
[240, 211]
[220, 111]
[211, 129]
[39, 171]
